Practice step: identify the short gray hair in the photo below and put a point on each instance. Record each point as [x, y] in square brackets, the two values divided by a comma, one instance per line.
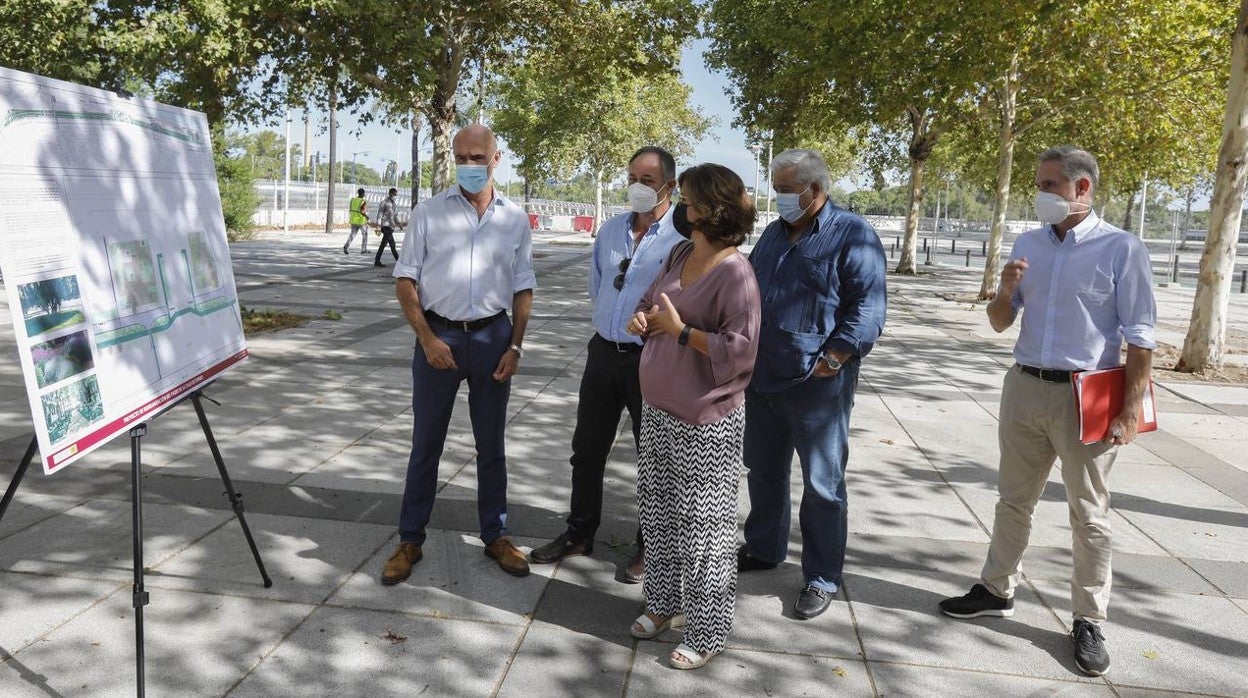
[1076, 163]
[810, 166]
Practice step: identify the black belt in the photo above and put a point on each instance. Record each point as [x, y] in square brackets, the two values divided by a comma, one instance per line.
[465, 325]
[622, 347]
[1051, 375]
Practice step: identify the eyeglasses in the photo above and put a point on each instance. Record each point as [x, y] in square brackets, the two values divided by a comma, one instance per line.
[619, 280]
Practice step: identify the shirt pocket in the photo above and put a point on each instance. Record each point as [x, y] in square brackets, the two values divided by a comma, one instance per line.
[1095, 291]
[816, 280]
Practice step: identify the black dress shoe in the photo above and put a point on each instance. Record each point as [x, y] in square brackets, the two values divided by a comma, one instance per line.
[559, 548]
[748, 563]
[811, 602]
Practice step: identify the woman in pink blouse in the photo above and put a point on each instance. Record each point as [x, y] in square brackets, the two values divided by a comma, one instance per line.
[700, 319]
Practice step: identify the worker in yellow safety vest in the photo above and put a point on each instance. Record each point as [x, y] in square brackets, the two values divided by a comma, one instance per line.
[359, 222]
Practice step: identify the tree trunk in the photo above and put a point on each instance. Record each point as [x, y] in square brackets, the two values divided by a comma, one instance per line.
[1206, 334]
[441, 111]
[333, 156]
[1130, 214]
[415, 157]
[597, 199]
[1005, 167]
[1187, 215]
[921, 143]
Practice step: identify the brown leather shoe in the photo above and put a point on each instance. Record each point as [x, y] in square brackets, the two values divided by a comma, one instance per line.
[399, 566]
[635, 571]
[509, 557]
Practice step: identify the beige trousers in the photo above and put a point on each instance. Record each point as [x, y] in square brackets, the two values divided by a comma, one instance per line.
[1038, 425]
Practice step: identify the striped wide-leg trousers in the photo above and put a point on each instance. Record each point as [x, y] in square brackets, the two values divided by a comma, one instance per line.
[687, 478]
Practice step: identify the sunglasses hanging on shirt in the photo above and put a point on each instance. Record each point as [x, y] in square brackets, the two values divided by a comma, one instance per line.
[619, 280]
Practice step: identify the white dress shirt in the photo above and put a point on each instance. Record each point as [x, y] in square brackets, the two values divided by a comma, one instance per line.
[467, 267]
[1082, 296]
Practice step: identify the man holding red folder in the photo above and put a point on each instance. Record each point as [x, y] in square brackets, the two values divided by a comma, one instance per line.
[1084, 287]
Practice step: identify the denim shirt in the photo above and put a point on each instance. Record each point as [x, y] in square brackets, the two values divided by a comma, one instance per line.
[825, 292]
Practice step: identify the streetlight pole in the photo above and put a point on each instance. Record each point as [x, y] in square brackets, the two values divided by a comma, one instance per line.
[286, 185]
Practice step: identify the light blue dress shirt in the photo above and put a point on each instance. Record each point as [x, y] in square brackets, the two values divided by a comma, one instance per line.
[1082, 296]
[612, 308]
[467, 267]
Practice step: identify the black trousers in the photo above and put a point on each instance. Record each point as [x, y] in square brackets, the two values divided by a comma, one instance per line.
[387, 238]
[609, 385]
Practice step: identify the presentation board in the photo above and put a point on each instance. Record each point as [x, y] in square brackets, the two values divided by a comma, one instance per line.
[114, 256]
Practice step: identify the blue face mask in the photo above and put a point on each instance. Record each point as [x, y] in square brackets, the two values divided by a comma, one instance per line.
[788, 206]
[472, 178]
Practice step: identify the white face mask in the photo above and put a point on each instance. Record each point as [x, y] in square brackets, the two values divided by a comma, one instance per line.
[642, 198]
[789, 206]
[1053, 209]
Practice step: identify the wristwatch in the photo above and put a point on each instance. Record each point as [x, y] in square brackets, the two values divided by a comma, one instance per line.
[831, 362]
[516, 348]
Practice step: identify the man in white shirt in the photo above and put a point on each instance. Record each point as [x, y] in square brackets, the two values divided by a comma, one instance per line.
[1084, 287]
[467, 260]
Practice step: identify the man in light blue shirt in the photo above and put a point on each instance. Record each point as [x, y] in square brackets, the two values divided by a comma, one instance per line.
[467, 261]
[629, 253]
[1084, 287]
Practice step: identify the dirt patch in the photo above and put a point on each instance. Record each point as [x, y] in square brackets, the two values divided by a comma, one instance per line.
[1166, 356]
[258, 320]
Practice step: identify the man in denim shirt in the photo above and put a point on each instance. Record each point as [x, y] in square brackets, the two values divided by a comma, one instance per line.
[629, 253]
[821, 274]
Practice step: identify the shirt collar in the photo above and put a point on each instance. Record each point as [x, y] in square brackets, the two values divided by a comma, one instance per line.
[1082, 231]
[657, 226]
[454, 190]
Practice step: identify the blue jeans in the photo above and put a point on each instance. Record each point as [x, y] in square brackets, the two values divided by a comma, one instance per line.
[811, 419]
[477, 355]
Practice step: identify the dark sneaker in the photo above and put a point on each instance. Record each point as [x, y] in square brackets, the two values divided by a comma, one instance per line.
[748, 563]
[1090, 653]
[978, 602]
[811, 602]
[344, 249]
[559, 548]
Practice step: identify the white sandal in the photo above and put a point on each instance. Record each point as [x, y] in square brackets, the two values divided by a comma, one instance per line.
[650, 630]
[689, 657]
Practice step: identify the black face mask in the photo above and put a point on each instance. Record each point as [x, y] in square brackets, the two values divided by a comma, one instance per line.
[680, 220]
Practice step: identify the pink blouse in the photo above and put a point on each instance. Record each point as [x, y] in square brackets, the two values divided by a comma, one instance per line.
[724, 304]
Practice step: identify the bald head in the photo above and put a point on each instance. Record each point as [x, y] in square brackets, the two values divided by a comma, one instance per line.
[476, 137]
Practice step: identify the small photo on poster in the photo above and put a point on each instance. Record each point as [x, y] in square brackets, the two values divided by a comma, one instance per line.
[51, 304]
[61, 358]
[72, 408]
[135, 286]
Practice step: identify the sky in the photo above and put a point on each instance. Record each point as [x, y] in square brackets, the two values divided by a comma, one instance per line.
[376, 145]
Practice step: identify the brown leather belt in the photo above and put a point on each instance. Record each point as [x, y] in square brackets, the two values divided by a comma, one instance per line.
[465, 325]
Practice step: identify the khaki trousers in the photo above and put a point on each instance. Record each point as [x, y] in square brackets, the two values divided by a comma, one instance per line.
[1038, 425]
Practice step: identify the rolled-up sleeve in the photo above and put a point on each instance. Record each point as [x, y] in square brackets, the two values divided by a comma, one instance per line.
[595, 274]
[412, 256]
[1137, 309]
[733, 345]
[523, 276]
[864, 294]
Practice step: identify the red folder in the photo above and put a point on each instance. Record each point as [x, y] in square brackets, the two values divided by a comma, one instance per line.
[1098, 396]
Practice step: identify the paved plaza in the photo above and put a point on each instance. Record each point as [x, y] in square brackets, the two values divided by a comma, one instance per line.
[315, 427]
